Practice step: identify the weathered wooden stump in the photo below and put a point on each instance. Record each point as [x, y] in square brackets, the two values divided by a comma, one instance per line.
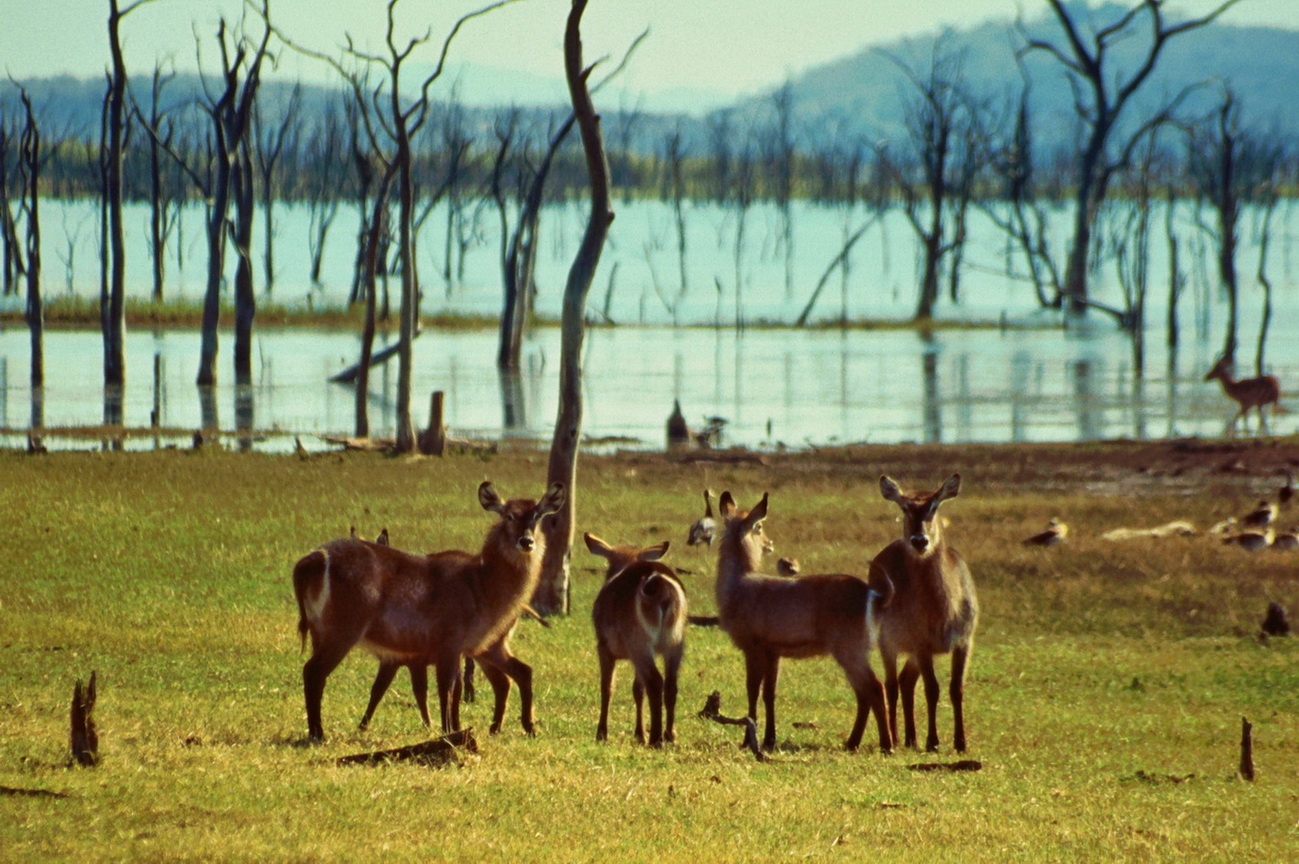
[83, 738]
[1246, 749]
[712, 711]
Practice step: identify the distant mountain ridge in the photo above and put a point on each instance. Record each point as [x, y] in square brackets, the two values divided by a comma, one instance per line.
[864, 93]
[858, 95]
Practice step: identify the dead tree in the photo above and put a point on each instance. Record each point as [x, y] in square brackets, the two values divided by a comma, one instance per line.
[1100, 96]
[391, 119]
[272, 143]
[553, 592]
[160, 223]
[114, 317]
[30, 162]
[1232, 166]
[938, 164]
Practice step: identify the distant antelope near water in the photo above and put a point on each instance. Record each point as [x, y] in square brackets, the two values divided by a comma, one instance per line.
[1248, 392]
[768, 617]
[640, 613]
[934, 610]
[433, 609]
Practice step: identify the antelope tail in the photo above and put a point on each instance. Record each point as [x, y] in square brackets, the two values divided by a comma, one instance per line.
[309, 570]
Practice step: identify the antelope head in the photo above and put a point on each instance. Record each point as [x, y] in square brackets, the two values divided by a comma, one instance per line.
[520, 516]
[744, 528]
[1221, 369]
[622, 557]
[921, 527]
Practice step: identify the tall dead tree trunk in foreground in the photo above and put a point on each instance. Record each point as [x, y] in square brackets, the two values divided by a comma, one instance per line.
[1101, 95]
[552, 593]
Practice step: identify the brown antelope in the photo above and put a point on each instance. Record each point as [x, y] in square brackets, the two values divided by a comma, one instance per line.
[1248, 392]
[640, 613]
[934, 610]
[430, 608]
[768, 618]
[419, 668]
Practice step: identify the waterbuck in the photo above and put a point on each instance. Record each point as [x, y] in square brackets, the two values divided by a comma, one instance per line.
[430, 609]
[934, 610]
[769, 617]
[1247, 392]
[639, 613]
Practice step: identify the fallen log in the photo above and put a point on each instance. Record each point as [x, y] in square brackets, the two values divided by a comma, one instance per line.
[712, 711]
[431, 753]
[962, 765]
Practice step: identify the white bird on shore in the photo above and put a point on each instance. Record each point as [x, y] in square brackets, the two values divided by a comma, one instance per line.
[705, 528]
[1054, 535]
[1261, 516]
[1250, 541]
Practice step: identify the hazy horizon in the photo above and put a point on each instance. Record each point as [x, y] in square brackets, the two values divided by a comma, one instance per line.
[690, 62]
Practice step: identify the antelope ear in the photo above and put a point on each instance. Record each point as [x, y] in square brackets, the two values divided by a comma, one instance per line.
[382, 539]
[757, 514]
[950, 489]
[890, 489]
[596, 545]
[552, 501]
[488, 497]
[653, 553]
[726, 505]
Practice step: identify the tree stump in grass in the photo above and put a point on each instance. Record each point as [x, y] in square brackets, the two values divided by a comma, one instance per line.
[1246, 749]
[83, 738]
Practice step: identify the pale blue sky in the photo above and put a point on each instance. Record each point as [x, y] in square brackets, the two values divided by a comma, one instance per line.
[722, 47]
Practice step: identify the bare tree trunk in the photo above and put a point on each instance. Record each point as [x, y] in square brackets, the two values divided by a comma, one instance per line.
[115, 335]
[30, 160]
[369, 257]
[245, 297]
[553, 592]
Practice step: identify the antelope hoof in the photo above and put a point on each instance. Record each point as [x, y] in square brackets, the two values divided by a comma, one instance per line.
[601, 734]
[670, 736]
[494, 729]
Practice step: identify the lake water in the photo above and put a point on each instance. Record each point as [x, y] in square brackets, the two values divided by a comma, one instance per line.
[791, 386]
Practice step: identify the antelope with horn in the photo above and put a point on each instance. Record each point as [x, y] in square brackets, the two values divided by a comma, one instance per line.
[639, 613]
[1248, 392]
[768, 618]
[433, 609]
[934, 610]
[419, 668]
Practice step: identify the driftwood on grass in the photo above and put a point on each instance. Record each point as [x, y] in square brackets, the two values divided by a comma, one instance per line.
[1246, 749]
[961, 765]
[32, 793]
[439, 751]
[84, 739]
[712, 711]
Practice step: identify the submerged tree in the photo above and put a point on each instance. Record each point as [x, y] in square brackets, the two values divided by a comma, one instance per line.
[1232, 166]
[935, 173]
[388, 112]
[1101, 94]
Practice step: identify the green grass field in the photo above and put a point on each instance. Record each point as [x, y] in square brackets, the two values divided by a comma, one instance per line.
[1104, 700]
